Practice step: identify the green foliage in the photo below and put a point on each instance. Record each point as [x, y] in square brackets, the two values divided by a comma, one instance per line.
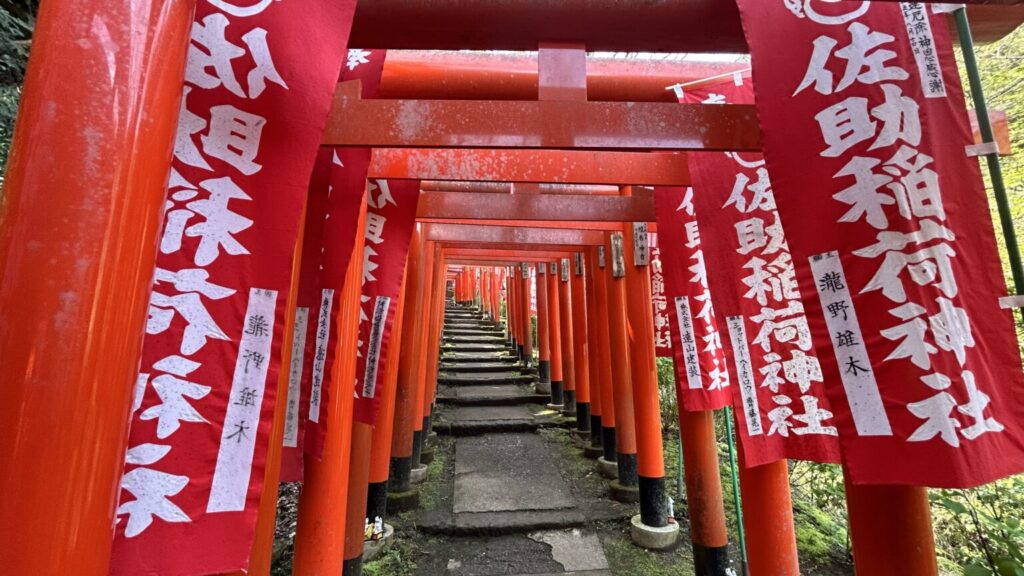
[981, 529]
[394, 562]
[627, 559]
[533, 331]
[17, 19]
[1002, 74]
[667, 393]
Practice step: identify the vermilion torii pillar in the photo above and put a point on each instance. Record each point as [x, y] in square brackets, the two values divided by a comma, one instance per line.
[625, 488]
[509, 316]
[320, 537]
[566, 311]
[555, 338]
[602, 351]
[422, 365]
[708, 532]
[368, 464]
[79, 227]
[543, 344]
[580, 344]
[485, 293]
[768, 519]
[384, 429]
[524, 287]
[512, 310]
[595, 376]
[406, 410]
[496, 295]
[435, 350]
[436, 314]
[646, 400]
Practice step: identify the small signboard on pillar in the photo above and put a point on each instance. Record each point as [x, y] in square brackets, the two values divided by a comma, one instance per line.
[641, 244]
[618, 256]
[524, 268]
[578, 257]
[541, 268]
[600, 257]
[565, 269]
[554, 269]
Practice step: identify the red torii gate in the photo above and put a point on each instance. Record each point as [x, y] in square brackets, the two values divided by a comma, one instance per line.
[70, 356]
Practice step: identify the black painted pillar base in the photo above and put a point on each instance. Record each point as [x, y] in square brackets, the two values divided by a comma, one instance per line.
[653, 502]
[583, 416]
[376, 501]
[557, 393]
[399, 474]
[417, 448]
[353, 567]
[708, 561]
[569, 402]
[428, 425]
[608, 443]
[544, 371]
[627, 469]
[521, 352]
[595, 430]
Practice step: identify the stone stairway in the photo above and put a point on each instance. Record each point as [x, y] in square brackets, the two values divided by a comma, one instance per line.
[484, 385]
[511, 510]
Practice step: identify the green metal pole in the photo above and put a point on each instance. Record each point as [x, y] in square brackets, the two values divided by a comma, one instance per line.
[992, 158]
[734, 471]
[679, 467]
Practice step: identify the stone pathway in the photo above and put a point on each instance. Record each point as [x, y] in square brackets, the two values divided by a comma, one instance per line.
[511, 510]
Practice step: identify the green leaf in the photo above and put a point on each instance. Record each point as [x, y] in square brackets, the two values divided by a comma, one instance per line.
[977, 570]
[953, 506]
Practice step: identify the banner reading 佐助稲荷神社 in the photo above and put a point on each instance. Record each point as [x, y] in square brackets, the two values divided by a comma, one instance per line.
[866, 137]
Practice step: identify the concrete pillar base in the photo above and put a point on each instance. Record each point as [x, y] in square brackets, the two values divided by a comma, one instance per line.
[419, 474]
[608, 469]
[583, 435]
[373, 549]
[653, 538]
[427, 455]
[622, 493]
[543, 387]
[556, 407]
[403, 501]
[592, 451]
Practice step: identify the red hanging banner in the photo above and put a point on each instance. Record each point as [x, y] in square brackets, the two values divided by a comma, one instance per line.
[390, 219]
[702, 378]
[258, 86]
[346, 187]
[662, 332]
[867, 139]
[346, 191]
[783, 409]
[303, 336]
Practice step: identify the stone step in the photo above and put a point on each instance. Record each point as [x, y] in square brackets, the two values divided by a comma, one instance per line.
[481, 331]
[470, 325]
[475, 420]
[474, 347]
[544, 553]
[497, 480]
[485, 378]
[478, 367]
[478, 339]
[452, 356]
[490, 395]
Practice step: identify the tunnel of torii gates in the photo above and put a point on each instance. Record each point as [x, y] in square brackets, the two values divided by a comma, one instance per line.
[506, 189]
